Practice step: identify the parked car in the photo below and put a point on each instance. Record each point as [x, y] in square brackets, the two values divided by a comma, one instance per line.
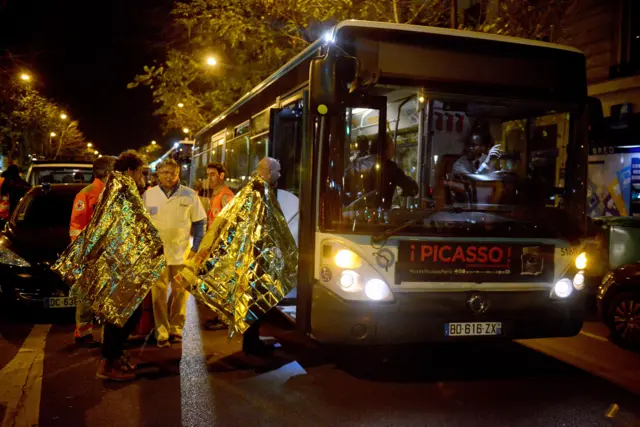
[36, 233]
[59, 172]
[619, 305]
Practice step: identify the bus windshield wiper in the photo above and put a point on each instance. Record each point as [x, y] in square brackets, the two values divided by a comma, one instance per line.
[384, 236]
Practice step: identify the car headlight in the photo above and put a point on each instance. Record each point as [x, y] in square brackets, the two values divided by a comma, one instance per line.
[8, 257]
[581, 261]
[563, 288]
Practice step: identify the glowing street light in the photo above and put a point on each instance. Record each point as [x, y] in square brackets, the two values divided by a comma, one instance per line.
[211, 61]
[89, 145]
[52, 134]
[99, 155]
[63, 116]
[25, 77]
[185, 130]
[153, 143]
[96, 152]
[180, 105]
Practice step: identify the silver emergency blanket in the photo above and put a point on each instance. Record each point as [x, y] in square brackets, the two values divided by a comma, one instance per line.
[247, 261]
[116, 259]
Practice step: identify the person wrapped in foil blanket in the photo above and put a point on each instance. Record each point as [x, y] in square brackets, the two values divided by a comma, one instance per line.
[248, 259]
[116, 259]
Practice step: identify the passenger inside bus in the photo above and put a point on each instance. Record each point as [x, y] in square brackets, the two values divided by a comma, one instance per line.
[376, 176]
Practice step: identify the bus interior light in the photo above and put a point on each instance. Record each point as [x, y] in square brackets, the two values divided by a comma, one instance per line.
[563, 288]
[581, 261]
[347, 259]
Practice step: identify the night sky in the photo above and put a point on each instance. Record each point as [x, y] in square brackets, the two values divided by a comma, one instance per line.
[83, 53]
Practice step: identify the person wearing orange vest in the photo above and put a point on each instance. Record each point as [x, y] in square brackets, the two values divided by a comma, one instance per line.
[83, 207]
[221, 195]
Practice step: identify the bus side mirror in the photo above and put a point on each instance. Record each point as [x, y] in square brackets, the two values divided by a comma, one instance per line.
[330, 77]
[596, 121]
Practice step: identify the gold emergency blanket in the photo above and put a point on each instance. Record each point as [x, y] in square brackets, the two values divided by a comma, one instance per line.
[247, 261]
[116, 259]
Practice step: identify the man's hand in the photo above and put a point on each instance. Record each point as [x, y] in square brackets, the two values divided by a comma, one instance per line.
[494, 153]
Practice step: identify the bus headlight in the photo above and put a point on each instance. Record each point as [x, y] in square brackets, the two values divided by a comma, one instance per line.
[349, 280]
[578, 281]
[347, 259]
[581, 261]
[563, 288]
[377, 290]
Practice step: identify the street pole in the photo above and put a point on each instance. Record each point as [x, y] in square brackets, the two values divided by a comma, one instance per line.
[454, 14]
[60, 142]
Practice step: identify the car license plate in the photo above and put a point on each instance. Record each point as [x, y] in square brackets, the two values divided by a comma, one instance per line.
[469, 329]
[60, 302]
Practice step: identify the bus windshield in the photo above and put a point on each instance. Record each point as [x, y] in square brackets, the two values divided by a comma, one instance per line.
[489, 167]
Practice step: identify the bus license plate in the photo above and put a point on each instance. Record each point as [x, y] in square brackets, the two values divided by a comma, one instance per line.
[60, 302]
[469, 329]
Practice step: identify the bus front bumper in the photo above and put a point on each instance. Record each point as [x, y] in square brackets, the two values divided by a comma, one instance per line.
[419, 317]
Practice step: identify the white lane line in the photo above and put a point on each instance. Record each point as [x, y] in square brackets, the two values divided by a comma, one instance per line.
[594, 336]
[21, 381]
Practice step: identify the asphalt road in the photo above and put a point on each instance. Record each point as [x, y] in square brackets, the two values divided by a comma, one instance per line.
[46, 381]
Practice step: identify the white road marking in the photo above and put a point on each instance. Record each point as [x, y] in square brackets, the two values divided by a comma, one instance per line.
[21, 381]
[594, 336]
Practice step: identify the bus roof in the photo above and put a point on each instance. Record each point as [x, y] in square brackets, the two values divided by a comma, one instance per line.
[313, 48]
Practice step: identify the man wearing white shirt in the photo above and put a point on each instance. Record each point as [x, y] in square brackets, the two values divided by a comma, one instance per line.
[475, 161]
[176, 210]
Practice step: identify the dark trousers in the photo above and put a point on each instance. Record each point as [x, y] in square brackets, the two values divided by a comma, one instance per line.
[115, 337]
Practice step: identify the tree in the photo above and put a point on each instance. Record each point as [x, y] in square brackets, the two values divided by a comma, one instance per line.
[267, 33]
[149, 152]
[31, 123]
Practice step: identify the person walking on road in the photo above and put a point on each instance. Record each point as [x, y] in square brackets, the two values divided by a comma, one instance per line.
[115, 364]
[83, 207]
[176, 211]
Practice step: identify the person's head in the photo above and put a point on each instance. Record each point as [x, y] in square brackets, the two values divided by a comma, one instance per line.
[478, 142]
[12, 172]
[131, 163]
[362, 146]
[216, 174]
[269, 170]
[103, 166]
[169, 173]
[386, 150]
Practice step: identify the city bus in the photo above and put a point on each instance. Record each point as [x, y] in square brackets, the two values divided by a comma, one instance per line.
[374, 125]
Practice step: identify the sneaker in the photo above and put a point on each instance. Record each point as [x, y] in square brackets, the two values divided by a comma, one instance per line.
[109, 371]
[163, 343]
[175, 339]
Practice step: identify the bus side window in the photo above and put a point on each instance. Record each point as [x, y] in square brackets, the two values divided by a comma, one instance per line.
[285, 144]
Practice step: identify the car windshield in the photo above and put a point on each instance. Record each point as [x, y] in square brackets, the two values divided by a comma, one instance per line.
[44, 210]
[61, 175]
[488, 167]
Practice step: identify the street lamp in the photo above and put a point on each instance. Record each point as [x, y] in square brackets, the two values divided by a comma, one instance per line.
[96, 152]
[153, 143]
[180, 105]
[52, 134]
[25, 77]
[185, 130]
[63, 116]
[89, 145]
[211, 61]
